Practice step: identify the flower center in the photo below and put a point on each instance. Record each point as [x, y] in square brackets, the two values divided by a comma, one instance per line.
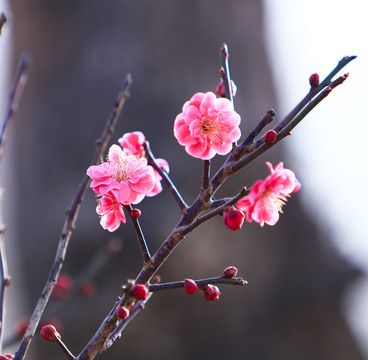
[209, 125]
[125, 167]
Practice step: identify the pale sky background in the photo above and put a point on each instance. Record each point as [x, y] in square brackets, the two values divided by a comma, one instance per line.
[329, 148]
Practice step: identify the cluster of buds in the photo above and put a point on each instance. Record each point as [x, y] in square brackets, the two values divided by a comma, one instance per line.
[209, 292]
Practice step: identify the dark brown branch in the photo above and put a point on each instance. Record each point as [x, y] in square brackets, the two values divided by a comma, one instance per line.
[70, 220]
[206, 175]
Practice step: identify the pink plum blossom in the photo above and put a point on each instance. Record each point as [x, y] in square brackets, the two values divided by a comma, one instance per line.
[266, 198]
[133, 142]
[207, 126]
[162, 163]
[111, 212]
[126, 177]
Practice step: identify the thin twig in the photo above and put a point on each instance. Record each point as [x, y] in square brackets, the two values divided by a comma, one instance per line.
[64, 348]
[3, 20]
[14, 99]
[140, 236]
[116, 334]
[261, 146]
[248, 144]
[200, 283]
[225, 72]
[307, 104]
[166, 179]
[70, 220]
[217, 211]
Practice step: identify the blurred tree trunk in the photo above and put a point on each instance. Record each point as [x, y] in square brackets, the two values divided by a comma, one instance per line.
[81, 51]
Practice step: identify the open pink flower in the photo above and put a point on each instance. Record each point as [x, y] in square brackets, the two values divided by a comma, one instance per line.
[266, 198]
[111, 212]
[162, 163]
[126, 177]
[133, 142]
[207, 126]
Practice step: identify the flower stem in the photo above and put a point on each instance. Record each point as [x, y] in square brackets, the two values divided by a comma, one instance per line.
[138, 230]
[170, 185]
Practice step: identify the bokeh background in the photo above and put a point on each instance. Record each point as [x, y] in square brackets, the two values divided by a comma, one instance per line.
[295, 304]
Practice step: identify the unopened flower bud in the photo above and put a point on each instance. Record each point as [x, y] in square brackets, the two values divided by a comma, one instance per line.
[314, 80]
[233, 218]
[135, 213]
[122, 312]
[211, 292]
[49, 333]
[190, 286]
[7, 357]
[220, 88]
[230, 272]
[139, 292]
[270, 136]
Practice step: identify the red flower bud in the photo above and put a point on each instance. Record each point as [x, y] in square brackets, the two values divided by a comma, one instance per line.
[233, 218]
[314, 80]
[7, 357]
[122, 312]
[270, 136]
[136, 213]
[49, 333]
[62, 287]
[230, 272]
[190, 286]
[139, 292]
[210, 292]
[220, 88]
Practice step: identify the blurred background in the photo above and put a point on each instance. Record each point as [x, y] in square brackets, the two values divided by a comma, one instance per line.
[305, 298]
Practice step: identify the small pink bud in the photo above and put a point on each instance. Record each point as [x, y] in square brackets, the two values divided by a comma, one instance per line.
[270, 136]
[233, 218]
[211, 292]
[314, 80]
[190, 286]
[139, 292]
[136, 213]
[122, 312]
[220, 88]
[49, 333]
[62, 287]
[230, 272]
